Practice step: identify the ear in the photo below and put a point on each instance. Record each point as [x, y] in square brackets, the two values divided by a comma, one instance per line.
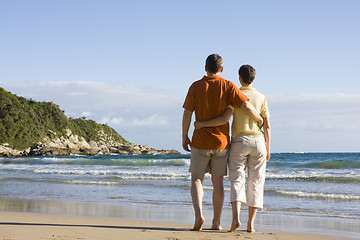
[206, 69]
[240, 80]
[222, 69]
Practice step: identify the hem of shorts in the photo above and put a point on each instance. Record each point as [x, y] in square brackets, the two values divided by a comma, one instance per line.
[198, 172]
[256, 206]
[221, 175]
[242, 202]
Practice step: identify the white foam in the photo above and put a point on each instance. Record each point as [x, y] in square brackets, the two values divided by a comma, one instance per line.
[319, 195]
[93, 182]
[271, 174]
[119, 173]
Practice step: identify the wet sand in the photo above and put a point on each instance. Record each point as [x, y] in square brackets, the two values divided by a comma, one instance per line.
[31, 226]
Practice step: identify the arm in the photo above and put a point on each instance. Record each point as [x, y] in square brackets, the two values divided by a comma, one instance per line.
[267, 133]
[223, 119]
[252, 112]
[186, 121]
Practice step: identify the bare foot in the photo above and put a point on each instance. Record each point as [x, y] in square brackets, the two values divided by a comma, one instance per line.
[198, 224]
[250, 228]
[216, 227]
[234, 227]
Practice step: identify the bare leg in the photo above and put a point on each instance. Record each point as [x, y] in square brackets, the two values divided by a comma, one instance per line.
[218, 200]
[236, 216]
[251, 222]
[197, 194]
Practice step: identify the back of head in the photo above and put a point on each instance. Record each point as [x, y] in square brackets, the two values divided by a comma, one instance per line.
[214, 63]
[247, 73]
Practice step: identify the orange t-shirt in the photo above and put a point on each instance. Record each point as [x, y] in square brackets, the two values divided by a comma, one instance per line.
[209, 98]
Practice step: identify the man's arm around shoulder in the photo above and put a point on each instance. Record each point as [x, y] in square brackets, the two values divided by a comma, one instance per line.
[250, 110]
[223, 119]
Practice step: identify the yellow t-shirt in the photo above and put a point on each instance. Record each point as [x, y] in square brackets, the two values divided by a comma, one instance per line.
[242, 123]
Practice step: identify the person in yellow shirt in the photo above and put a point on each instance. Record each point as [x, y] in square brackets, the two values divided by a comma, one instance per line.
[250, 149]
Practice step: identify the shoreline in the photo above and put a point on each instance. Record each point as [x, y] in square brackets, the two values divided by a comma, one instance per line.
[163, 221]
[31, 226]
[312, 193]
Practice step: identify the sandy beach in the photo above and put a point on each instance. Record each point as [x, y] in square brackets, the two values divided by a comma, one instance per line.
[30, 226]
[111, 196]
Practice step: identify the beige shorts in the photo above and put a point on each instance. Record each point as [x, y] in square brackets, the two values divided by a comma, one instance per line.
[247, 154]
[211, 161]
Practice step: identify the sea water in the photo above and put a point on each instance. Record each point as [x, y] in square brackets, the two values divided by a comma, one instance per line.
[316, 191]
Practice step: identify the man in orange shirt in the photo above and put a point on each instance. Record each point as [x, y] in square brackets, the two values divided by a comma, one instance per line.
[209, 98]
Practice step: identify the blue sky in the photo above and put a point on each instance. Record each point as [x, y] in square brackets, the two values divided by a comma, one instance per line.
[130, 63]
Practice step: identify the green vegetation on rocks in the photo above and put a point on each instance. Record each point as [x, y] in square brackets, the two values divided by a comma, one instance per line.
[26, 123]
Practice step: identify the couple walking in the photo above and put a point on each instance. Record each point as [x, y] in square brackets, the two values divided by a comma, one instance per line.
[214, 100]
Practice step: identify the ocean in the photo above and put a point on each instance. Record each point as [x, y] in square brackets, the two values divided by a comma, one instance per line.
[310, 192]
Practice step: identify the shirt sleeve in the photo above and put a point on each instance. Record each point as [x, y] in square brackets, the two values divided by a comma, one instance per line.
[264, 110]
[237, 97]
[189, 103]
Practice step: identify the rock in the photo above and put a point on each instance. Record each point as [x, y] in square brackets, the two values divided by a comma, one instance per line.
[103, 148]
[73, 144]
[6, 151]
[53, 151]
[93, 144]
[89, 151]
[68, 132]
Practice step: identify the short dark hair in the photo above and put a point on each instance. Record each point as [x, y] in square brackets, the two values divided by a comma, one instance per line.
[214, 63]
[247, 73]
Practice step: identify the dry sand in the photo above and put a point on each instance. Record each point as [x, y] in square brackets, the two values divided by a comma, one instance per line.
[30, 226]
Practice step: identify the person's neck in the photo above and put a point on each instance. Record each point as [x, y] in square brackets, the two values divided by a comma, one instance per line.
[209, 74]
[247, 85]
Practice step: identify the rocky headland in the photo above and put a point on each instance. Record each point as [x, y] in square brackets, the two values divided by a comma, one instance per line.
[75, 145]
[30, 128]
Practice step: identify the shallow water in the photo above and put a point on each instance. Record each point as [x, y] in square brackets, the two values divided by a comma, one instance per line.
[323, 188]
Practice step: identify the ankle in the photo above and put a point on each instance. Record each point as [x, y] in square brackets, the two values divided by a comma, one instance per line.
[215, 223]
[200, 218]
[250, 227]
[236, 223]
[236, 220]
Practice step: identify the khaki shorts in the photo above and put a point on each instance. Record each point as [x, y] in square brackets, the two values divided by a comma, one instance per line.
[211, 161]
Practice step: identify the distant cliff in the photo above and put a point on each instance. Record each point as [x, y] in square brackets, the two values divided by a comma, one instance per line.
[29, 128]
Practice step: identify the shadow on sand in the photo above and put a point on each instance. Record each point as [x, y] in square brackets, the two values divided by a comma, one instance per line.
[96, 226]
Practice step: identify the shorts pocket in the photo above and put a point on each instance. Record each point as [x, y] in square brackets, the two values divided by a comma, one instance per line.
[261, 147]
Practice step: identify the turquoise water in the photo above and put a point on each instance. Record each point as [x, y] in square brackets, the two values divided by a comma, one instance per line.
[319, 186]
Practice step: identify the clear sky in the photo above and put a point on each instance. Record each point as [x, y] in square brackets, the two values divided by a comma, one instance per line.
[130, 63]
